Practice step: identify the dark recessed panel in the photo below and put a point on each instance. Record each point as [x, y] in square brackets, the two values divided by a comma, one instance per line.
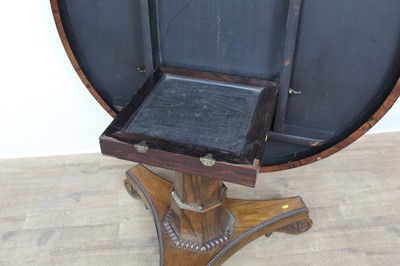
[346, 63]
[181, 114]
[108, 41]
[229, 36]
[346, 56]
[197, 112]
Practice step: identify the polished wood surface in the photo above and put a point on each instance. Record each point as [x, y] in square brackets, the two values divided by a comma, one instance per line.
[209, 197]
[74, 210]
[240, 174]
[198, 237]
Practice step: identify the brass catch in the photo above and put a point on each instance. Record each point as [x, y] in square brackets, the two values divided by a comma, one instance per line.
[208, 160]
[141, 147]
[141, 69]
[294, 92]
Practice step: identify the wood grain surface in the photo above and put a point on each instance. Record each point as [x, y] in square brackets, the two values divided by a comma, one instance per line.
[252, 219]
[239, 174]
[74, 210]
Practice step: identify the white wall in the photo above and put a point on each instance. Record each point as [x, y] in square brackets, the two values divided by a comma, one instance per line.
[44, 107]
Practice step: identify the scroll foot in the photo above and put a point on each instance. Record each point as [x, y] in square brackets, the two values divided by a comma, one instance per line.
[297, 227]
[134, 194]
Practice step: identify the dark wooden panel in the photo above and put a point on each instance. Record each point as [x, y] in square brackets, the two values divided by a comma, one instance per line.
[243, 175]
[346, 57]
[110, 44]
[176, 123]
[347, 54]
[285, 80]
[303, 156]
[198, 112]
[346, 65]
[183, 118]
[236, 37]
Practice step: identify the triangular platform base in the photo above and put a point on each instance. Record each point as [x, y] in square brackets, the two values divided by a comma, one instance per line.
[253, 219]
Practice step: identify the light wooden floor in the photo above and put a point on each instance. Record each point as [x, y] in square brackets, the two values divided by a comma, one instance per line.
[74, 210]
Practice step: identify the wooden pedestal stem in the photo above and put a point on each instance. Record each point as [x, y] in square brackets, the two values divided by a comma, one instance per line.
[197, 225]
[198, 209]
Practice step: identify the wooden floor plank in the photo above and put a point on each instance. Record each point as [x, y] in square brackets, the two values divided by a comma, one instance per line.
[74, 210]
[58, 236]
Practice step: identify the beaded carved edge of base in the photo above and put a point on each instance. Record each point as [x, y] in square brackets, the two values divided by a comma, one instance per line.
[198, 247]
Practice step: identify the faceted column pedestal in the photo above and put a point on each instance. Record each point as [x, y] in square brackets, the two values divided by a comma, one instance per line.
[198, 220]
[197, 225]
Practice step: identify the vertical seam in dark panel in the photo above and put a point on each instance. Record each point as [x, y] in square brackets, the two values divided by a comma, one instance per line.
[155, 32]
[287, 64]
[146, 33]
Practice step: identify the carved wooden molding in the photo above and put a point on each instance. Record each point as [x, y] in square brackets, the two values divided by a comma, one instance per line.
[297, 228]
